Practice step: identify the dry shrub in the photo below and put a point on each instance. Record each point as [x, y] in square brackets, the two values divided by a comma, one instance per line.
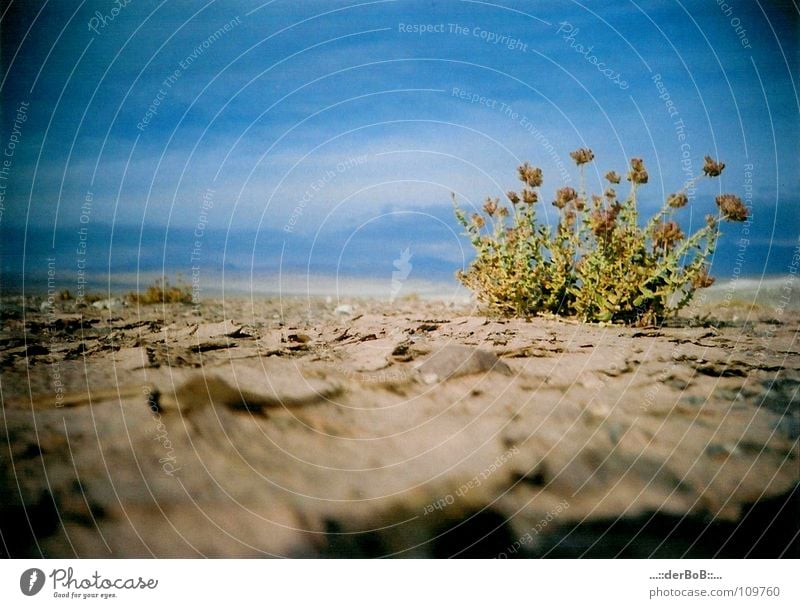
[161, 292]
[598, 263]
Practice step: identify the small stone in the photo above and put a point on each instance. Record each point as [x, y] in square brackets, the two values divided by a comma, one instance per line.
[430, 378]
[343, 310]
[108, 304]
[455, 360]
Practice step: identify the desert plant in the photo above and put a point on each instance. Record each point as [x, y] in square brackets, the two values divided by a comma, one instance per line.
[161, 292]
[598, 262]
[92, 297]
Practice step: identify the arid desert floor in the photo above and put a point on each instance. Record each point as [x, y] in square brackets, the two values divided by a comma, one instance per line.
[306, 428]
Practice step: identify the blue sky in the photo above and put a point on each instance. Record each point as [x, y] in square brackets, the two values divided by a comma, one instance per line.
[328, 135]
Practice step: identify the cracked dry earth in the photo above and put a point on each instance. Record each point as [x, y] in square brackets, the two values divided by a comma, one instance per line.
[281, 428]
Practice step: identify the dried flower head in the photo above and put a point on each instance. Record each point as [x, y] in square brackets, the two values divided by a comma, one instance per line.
[637, 174]
[581, 156]
[712, 168]
[603, 221]
[678, 200]
[478, 221]
[610, 194]
[580, 204]
[490, 206]
[563, 196]
[502, 212]
[529, 196]
[732, 207]
[613, 177]
[702, 279]
[711, 221]
[666, 234]
[513, 197]
[532, 176]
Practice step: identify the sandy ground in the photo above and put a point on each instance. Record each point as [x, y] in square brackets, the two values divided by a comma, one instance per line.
[409, 429]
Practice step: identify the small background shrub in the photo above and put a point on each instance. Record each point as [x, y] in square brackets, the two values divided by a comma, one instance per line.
[161, 292]
[598, 262]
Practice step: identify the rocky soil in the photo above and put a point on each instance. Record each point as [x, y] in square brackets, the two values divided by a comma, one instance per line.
[417, 429]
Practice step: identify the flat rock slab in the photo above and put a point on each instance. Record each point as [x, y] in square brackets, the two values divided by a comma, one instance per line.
[255, 385]
[370, 355]
[132, 358]
[224, 329]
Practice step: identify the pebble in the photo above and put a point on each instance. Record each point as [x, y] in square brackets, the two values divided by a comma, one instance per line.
[456, 360]
[108, 304]
[344, 310]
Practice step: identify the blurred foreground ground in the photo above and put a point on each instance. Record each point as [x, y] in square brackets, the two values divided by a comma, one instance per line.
[412, 429]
